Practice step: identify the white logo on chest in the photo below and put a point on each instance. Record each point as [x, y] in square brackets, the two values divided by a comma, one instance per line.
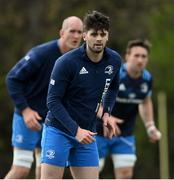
[83, 71]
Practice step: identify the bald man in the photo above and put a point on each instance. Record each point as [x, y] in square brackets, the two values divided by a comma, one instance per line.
[27, 84]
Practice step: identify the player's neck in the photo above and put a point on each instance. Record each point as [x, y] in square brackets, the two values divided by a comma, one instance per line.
[62, 46]
[132, 73]
[94, 57]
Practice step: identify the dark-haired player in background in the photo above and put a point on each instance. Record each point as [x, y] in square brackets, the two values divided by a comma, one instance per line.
[135, 90]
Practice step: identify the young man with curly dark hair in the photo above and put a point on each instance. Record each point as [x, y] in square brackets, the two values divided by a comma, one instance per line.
[79, 80]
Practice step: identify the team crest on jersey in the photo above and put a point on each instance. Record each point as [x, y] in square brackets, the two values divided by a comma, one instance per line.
[109, 69]
[122, 87]
[144, 87]
[50, 154]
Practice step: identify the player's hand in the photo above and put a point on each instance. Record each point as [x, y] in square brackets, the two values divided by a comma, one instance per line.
[153, 133]
[85, 136]
[106, 132]
[31, 119]
[111, 123]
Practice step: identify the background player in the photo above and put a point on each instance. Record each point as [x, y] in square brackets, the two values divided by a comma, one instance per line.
[135, 90]
[27, 83]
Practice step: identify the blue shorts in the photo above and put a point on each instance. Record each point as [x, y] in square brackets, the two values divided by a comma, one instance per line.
[116, 145]
[23, 137]
[60, 149]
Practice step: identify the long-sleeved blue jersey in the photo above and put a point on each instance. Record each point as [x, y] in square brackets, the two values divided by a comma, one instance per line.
[28, 80]
[131, 93]
[76, 87]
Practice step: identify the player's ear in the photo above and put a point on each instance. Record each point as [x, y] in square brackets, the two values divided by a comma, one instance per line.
[126, 56]
[84, 36]
[107, 37]
[61, 33]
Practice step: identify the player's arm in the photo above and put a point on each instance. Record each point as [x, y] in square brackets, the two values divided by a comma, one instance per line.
[108, 102]
[61, 76]
[60, 79]
[146, 114]
[17, 80]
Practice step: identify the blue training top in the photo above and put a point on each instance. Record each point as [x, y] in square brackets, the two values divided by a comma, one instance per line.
[131, 93]
[28, 80]
[76, 87]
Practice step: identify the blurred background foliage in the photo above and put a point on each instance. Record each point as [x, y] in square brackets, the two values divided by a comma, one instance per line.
[24, 24]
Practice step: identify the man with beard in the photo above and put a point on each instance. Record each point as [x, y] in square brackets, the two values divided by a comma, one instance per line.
[77, 83]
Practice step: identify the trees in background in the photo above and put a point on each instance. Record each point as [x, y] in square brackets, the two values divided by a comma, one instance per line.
[27, 23]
